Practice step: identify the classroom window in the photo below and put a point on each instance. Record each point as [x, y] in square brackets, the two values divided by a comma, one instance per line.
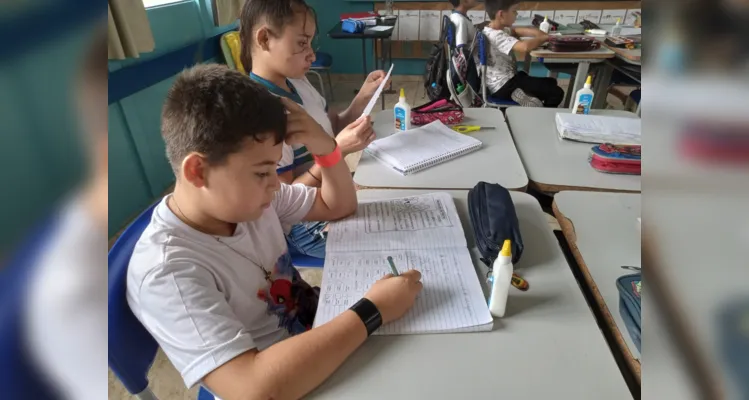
[156, 3]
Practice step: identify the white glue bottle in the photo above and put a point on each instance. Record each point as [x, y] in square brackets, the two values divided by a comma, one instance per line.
[583, 98]
[617, 29]
[501, 280]
[402, 112]
[544, 27]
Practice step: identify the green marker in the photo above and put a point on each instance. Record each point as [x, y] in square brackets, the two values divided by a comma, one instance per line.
[392, 266]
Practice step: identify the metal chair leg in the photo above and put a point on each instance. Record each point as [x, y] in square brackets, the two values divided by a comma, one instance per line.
[330, 85]
[319, 78]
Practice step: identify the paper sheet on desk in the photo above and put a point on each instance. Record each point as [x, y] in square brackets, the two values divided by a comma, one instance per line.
[381, 28]
[419, 232]
[598, 128]
[373, 100]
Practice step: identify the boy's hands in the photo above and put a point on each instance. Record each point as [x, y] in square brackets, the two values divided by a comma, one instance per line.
[394, 295]
[356, 136]
[301, 128]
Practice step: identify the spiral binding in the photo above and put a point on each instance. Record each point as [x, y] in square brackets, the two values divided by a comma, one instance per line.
[430, 162]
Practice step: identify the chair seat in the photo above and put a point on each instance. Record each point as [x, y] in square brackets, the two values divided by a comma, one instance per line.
[322, 60]
[302, 260]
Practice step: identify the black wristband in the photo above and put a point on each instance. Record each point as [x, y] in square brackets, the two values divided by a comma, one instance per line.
[369, 314]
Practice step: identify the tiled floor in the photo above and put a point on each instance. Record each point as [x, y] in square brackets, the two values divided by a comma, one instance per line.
[165, 380]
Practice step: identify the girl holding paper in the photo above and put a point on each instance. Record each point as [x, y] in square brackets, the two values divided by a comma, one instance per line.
[277, 47]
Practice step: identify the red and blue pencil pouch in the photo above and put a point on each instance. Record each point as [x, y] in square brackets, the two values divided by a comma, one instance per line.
[616, 159]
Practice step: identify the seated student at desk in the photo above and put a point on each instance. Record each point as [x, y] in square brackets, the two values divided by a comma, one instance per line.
[211, 278]
[502, 77]
[276, 37]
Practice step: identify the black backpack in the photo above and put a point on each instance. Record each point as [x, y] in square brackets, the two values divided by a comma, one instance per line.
[435, 82]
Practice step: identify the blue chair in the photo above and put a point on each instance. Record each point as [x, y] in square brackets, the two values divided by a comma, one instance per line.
[19, 377]
[489, 101]
[323, 62]
[131, 348]
[303, 260]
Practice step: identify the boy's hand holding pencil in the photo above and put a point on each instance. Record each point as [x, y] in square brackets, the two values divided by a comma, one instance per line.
[394, 294]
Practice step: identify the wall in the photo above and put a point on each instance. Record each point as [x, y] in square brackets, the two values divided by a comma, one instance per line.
[138, 169]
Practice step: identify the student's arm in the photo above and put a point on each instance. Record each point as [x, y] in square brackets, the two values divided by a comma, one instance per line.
[293, 367]
[311, 178]
[525, 31]
[336, 197]
[527, 45]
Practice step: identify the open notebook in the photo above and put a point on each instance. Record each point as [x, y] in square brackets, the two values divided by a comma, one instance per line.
[418, 149]
[421, 232]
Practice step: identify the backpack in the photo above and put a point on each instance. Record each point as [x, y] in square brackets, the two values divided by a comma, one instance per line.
[435, 83]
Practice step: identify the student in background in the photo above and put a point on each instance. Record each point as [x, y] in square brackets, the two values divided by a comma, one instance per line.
[211, 278]
[502, 78]
[464, 29]
[276, 37]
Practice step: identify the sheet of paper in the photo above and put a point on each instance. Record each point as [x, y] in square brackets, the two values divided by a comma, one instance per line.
[452, 299]
[409, 25]
[380, 28]
[593, 16]
[630, 17]
[599, 128]
[429, 25]
[630, 31]
[376, 95]
[476, 16]
[543, 13]
[522, 15]
[565, 17]
[608, 17]
[418, 222]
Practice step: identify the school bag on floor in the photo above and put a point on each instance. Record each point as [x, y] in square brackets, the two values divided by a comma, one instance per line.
[616, 159]
[494, 220]
[630, 305]
[435, 83]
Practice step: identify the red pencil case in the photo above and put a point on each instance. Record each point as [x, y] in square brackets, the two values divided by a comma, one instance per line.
[616, 159]
[443, 110]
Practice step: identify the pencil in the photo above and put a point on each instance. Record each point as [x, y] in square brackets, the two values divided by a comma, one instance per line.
[392, 266]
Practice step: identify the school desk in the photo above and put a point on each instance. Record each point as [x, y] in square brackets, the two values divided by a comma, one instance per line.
[548, 346]
[554, 164]
[603, 235]
[582, 59]
[496, 162]
[383, 36]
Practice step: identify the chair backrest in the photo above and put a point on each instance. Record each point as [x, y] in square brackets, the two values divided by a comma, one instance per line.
[131, 348]
[231, 47]
[19, 377]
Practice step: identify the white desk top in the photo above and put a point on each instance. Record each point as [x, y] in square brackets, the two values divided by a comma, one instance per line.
[496, 162]
[595, 55]
[607, 237]
[555, 164]
[549, 345]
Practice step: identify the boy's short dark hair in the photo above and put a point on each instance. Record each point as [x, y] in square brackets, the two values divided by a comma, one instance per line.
[455, 3]
[494, 6]
[212, 109]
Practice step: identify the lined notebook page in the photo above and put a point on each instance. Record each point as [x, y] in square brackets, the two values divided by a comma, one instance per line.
[417, 222]
[416, 148]
[451, 301]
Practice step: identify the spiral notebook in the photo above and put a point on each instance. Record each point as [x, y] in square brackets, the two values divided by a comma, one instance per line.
[421, 148]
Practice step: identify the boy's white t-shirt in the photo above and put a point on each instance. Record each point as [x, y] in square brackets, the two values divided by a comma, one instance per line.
[203, 302]
[296, 157]
[500, 65]
[464, 29]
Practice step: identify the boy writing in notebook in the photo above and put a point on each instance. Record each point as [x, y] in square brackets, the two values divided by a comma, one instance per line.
[211, 278]
[502, 78]
[464, 29]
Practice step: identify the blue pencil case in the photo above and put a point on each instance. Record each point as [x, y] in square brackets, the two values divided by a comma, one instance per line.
[630, 305]
[352, 26]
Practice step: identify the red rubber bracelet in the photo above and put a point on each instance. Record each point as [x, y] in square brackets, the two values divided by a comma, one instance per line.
[329, 160]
